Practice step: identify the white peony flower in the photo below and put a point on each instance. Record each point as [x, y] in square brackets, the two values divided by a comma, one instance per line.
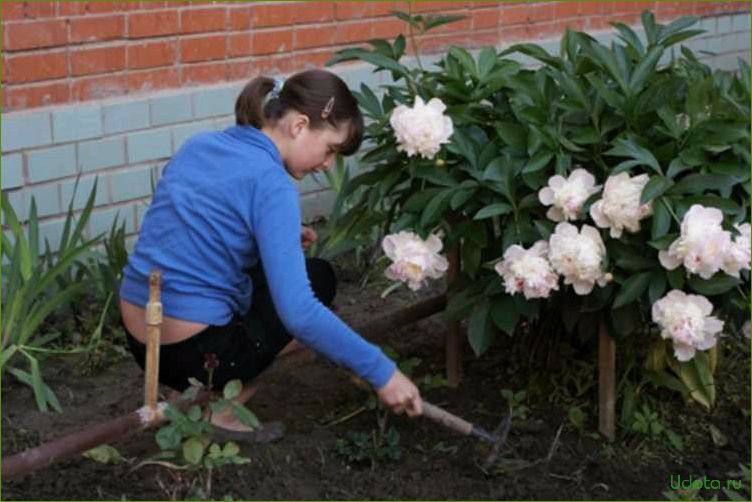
[414, 260]
[738, 253]
[528, 271]
[578, 256]
[620, 208]
[422, 129]
[702, 246]
[686, 320]
[567, 195]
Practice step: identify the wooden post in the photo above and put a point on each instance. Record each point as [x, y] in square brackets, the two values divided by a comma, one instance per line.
[153, 326]
[606, 381]
[453, 342]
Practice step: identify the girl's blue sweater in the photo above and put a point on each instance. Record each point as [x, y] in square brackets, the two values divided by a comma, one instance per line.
[225, 201]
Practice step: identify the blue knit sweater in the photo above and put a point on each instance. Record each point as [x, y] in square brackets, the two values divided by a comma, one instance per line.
[225, 201]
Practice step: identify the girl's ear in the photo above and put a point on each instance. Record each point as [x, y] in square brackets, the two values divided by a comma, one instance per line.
[299, 122]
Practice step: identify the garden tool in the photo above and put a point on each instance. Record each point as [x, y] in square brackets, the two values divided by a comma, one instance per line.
[496, 440]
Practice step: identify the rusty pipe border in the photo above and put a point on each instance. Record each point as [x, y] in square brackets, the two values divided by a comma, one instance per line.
[118, 428]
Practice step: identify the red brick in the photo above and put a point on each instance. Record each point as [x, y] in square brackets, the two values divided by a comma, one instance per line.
[350, 33]
[540, 12]
[274, 65]
[34, 34]
[385, 8]
[98, 28]
[485, 18]
[308, 60]
[239, 44]
[485, 39]
[153, 5]
[513, 14]
[306, 38]
[202, 20]
[563, 10]
[202, 48]
[36, 10]
[36, 67]
[99, 87]
[437, 6]
[26, 96]
[239, 69]
[239, 18]
[344, 11]
[152, 24]
[150, 80]
[436, 43]
[271, 41]
[203, 73]
[388, 28]
[12, 10]
[273, 15]
[588, 8]
[99, 60]
[152, 54]
[314, 12]
[65, 9]
[514, 34]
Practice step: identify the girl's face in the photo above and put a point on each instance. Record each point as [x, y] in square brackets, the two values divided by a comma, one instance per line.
[313, 150]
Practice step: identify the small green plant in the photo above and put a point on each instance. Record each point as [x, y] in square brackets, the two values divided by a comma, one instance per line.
[743, 475]
[647, 422]
[36, 285]
[372, 447]
[516, 402]
[187, 451]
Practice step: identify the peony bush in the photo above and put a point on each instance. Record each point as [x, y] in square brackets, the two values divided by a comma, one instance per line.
[601, 185]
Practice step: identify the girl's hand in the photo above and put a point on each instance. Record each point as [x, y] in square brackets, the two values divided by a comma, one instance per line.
[401, 395]
[307, 237]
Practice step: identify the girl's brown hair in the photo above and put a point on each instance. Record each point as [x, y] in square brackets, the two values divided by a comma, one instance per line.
[320, 95]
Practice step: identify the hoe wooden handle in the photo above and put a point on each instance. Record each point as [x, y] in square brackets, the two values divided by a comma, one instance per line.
[447, 419]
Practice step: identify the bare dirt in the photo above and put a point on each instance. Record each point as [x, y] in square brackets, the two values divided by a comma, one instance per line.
[434, 463]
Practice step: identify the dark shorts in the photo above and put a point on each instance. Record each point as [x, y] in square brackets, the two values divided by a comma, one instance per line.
[244, 347]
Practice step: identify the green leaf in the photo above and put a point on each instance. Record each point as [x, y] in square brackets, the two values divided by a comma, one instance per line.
[661, 222]
[418, 200]
[493, 210]
[465, 59]
[486, 62]
[104, 454]
[718, 284]
[628, 148]
[645, 69]
[246, 416]
[193, 450]
[504, 313]
[434, 21]
[435, 175]
[676, 278]
[538, 162]
[632, 289]
[699, 183]
[379, 60]
[470, 257]
[368, 101]
[168, 437]
[655, 187]
[512, 134]
[657, 287]
[436, 207]
[480, 330]
[232, 389]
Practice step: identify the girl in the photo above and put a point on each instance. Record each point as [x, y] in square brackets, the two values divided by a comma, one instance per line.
[224, 227]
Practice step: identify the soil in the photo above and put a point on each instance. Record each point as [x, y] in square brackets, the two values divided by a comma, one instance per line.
[546, 457]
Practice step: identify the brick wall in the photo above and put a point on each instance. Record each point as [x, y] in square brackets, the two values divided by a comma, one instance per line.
[66, 52]
[123, 140]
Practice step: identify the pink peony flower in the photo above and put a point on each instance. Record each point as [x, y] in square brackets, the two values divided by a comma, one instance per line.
[620, 208]
[738, 255]
[422, 129]
[528, 271]
[686, 320]
[578, 256]
[567, 195]
[414, 260]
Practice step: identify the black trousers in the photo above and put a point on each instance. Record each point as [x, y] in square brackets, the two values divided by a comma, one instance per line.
[242, 348]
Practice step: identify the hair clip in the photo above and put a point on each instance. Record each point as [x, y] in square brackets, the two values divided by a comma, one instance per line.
[327, 108]
[279, 83]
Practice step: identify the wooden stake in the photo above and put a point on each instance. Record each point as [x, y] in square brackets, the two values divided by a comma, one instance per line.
[606, 381]
[153, 326]
[453, 343]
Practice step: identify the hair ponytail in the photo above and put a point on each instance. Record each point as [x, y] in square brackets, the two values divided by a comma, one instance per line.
[320, 95]
[249, 107]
